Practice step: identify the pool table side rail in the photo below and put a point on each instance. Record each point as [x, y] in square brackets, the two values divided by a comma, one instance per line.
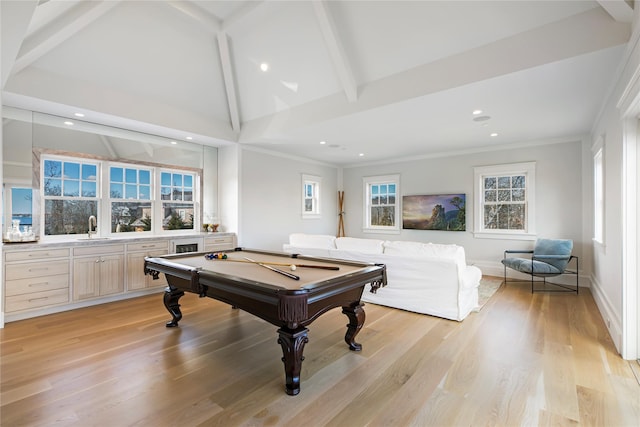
[155, 266]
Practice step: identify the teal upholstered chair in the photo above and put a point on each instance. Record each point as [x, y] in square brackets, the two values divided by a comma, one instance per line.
[549, 258]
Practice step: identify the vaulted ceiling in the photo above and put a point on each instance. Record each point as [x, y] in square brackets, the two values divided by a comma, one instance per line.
[374, 80]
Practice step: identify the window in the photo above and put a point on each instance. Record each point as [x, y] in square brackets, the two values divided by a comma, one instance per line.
[311, 196]
[598, 194]
[176, 193]
[381, 206]
[505, 201]
[70, 191]
[19, 207]
[130, 198]
[124, 197]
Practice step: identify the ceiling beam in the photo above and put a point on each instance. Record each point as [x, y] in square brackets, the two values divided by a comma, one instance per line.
[14, 25]
[243, 14]
[577, 35]
[336, 50]
[62, 29]
[229, 80]
[192, 10]
[619, 10]
[148, 149]
[109, 146]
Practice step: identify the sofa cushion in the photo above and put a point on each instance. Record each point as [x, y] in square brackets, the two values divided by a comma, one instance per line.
[320, 241]
[431, 250]
[402, 248]
[366, 246]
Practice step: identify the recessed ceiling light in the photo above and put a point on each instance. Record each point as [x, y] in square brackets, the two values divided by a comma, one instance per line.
[173, 142]
[68, 123]
[78, 114]
[189, 138]
[361, 154]
[264, 67]
[494, 134]
[476, 112]
[323, 142]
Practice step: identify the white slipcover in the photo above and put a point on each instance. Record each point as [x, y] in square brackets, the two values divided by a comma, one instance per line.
[425, 278]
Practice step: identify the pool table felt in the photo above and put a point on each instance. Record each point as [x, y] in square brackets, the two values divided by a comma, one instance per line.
[253, 272]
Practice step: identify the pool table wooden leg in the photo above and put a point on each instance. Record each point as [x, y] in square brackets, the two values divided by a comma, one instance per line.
[171, 297]
[356, 316]
[292, 342]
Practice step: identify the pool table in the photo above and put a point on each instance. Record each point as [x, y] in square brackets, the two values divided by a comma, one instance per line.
[266, 285]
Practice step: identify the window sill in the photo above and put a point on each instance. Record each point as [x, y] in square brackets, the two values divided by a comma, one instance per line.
[600, 246]
[504, 236]
[311, 216]
[378, 231]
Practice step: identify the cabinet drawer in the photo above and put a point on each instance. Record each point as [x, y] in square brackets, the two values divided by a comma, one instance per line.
[218, 240]
[38, 254]
[218, 247]
[98, 250]
[36, 284]
[41, 299]
[220, 243]
[36, 269]
[148, 246]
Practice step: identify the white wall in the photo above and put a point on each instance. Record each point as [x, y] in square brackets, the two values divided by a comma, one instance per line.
[558, 197]
[615, 269]
[271, 199]
[1, 244]
[607, 259]
[210, 214]
[228, 188]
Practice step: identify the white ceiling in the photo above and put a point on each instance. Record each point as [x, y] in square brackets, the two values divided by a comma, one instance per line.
[389, 79]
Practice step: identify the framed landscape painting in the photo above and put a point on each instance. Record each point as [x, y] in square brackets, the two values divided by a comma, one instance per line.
[434, 212]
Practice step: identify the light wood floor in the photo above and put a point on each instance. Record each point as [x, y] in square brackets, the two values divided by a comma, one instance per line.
[545, 359]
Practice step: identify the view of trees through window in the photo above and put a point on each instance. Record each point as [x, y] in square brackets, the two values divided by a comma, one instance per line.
[177, 189]
[134, 195]
[383, 204]
[125, 185]
[70, 196]
[309, 196]
[504, 202]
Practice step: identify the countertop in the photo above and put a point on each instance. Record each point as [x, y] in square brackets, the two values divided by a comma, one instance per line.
[84, 241]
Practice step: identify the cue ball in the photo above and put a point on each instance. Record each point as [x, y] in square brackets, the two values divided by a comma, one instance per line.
[293, 267]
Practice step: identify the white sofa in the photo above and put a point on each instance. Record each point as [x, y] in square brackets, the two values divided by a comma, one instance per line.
[421, 277]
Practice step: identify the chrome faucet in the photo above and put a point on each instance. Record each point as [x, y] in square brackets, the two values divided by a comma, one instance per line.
[92, 224]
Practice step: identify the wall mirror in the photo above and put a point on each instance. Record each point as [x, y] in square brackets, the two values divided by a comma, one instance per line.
[29, 135]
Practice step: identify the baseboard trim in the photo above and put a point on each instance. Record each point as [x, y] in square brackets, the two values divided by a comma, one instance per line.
[611, 319]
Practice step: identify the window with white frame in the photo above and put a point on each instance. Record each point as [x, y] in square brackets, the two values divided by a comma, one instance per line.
[18, 206]
[311, 196]
[598, 194]
[130, 197]
[381, 204]
[130, 193]
[505, 201]
[71, 195]
[176, 193]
